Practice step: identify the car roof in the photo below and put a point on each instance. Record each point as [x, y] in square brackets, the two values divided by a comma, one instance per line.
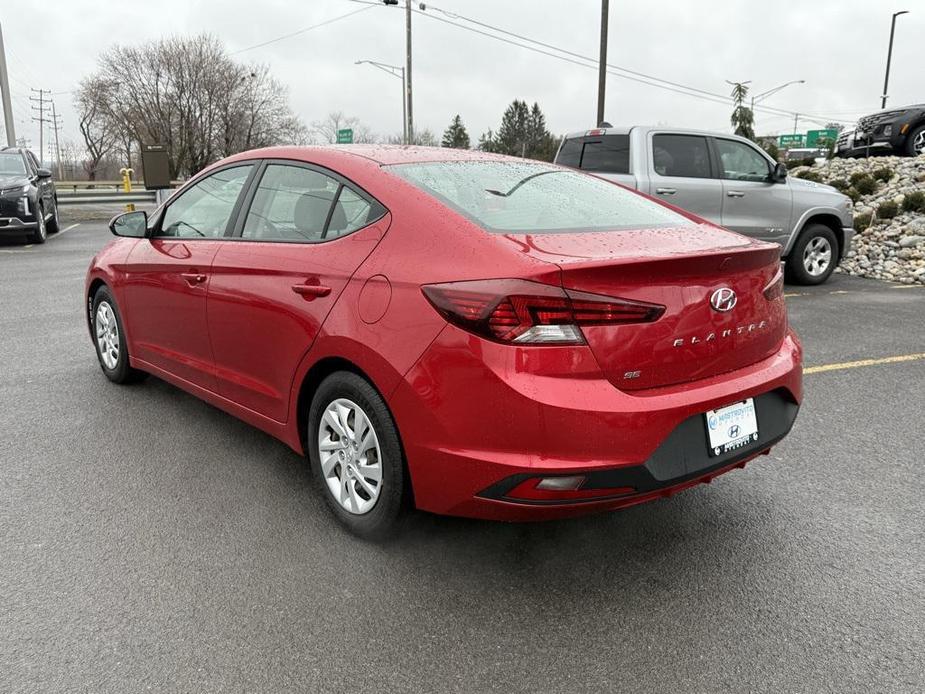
[624, 130]
[381, 154]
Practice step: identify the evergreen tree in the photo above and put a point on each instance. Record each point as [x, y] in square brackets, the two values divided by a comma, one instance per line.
[488, 142]
[456, 136]
[513, 133]
[742, 119]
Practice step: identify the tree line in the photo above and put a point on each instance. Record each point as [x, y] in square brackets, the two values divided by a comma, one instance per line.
[189, 94]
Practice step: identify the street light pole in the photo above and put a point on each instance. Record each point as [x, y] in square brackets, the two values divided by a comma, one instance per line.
[409, 136]
[395, 71]
[602, 65]
[7, 104]
[889, 56]
[758, 98]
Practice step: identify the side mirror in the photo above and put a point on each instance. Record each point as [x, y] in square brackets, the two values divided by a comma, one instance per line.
[779, 175]
[43, 173]
[132, 225]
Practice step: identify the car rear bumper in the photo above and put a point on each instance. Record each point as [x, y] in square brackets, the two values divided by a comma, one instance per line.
[472, 433]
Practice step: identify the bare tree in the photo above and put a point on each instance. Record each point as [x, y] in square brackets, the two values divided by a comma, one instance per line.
[424, 136]
[93, 120]
[188, 94]
[326, 130]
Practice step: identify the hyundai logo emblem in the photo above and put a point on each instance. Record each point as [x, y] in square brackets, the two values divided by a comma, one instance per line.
[734, 431]
[723, 299]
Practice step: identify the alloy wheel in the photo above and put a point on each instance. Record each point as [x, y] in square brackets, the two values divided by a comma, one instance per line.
[351, 460]
[107, 335]
[40, 221]
[817, 256]
[918, 144]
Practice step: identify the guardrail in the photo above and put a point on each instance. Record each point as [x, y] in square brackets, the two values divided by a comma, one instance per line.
[96, 196]
[103, 185]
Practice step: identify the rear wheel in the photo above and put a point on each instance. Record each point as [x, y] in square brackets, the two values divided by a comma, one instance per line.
[109, 338]
[915, 142]
[355, 455]
[814, 256]
[53, 226]
[41, 231]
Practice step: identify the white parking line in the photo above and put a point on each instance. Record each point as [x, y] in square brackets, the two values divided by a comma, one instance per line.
[62, 232]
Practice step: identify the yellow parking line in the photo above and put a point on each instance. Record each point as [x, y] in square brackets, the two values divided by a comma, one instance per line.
[864, 362]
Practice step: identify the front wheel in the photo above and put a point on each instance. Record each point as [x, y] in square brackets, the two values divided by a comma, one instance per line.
[915, 142]
[40, 235]
[355, 455]
[109, 339]
[814, 256]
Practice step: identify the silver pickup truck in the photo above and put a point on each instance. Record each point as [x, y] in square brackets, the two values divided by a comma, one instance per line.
[727, 180]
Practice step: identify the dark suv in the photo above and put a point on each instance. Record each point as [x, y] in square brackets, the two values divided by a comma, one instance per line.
[899, 130]
[28, 200]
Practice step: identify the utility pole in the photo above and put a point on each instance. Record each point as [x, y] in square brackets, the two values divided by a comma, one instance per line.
[602, 65]
[41, 118]
[408, 70]
[889, 57]
[7, 104]
[56, 123]
[796, 119]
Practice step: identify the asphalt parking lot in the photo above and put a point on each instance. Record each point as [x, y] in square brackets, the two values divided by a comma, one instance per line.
[150, 541]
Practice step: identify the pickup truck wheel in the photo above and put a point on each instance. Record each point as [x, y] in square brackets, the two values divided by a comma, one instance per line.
[915, 142]
[814, 256]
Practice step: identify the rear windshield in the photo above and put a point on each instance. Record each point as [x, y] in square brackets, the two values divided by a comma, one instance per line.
[604, 153]
[530, 197]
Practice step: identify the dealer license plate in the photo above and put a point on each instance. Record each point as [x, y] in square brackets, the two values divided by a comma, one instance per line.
[731, 427]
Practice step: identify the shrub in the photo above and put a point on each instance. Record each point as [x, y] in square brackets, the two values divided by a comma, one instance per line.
[883, 174]
[887, 210]
[865, 185]
[853, 194]
[862, 221]
[840, 184]
[914, 202]
[857, 176]
[809, 176]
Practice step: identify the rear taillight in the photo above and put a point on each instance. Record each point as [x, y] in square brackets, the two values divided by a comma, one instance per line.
[525, 312]
[775, 288]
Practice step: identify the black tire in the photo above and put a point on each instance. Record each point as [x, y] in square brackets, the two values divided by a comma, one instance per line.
[120, 372]
[915, 142]
[40, 235]
[382, 519]
[53, 225]
[813, 238]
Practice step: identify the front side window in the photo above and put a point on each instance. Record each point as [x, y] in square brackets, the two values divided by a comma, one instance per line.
[204, 209]
[604, 154]
[685, 156]
[294, 203]
[739, 162]
[533, 198]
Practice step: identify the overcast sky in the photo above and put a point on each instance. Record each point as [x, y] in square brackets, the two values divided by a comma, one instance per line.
[837, 46]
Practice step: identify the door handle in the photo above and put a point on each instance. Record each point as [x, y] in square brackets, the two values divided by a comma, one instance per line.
[735, 193]
[310, 291]
[665, 191]
[193, 278]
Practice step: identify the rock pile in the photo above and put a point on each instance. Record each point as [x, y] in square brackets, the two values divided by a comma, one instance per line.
[889, 214]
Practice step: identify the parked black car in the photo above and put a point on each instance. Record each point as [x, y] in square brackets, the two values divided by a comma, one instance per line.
[899, 131]
[28, 199]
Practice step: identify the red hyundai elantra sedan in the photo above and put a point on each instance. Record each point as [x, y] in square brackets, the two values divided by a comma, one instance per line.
[459, 332]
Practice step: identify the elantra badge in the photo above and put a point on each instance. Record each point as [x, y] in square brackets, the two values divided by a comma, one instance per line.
[723, 299]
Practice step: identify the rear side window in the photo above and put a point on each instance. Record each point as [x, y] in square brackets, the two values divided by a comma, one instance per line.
[533, 198]
[686, 156]
[295, 203]
[604, 154]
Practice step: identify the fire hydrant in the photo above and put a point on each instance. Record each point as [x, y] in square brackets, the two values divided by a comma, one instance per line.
[127, 186]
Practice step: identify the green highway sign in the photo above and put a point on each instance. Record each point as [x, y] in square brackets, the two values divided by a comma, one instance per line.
[345, 136]
[821, 138]
[787, 141]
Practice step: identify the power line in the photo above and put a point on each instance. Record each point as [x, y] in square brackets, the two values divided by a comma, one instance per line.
[302, 31]
[589, 62]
